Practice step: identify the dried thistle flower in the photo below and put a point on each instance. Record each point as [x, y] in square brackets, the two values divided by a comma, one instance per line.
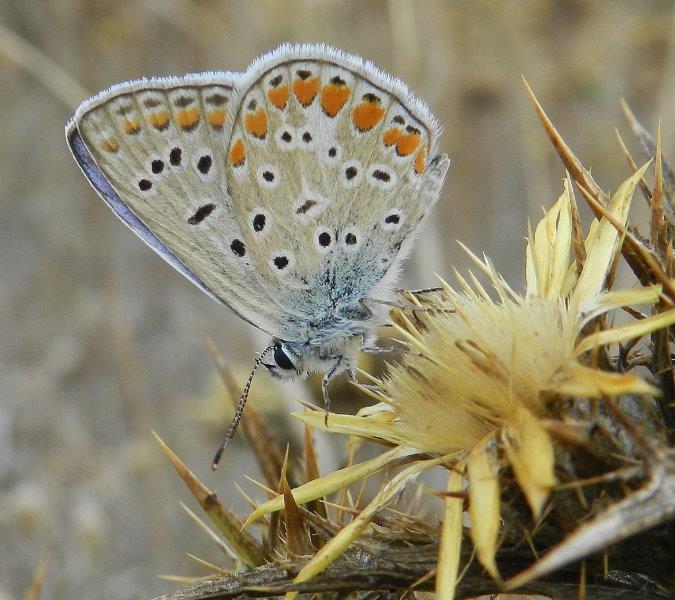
[491, 379]
[478, 382]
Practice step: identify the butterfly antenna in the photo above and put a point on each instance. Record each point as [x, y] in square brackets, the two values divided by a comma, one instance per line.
[234, 424]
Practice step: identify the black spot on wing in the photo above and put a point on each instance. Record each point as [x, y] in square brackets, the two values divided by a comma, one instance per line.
[237, 246]
[183, 101]
[201, 213]
[381, 175]
[280, 262]
[305, 207]
[175, 156]
[216, 99]
[204, 164]
[259, 222]
[324, 239]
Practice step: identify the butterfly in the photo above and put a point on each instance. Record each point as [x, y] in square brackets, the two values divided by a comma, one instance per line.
[289, 193]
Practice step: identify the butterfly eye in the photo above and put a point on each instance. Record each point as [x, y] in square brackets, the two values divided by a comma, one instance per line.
[281, 358]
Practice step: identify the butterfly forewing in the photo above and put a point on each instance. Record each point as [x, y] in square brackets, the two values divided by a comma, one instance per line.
[327, 171]
[161, 145]
[288, 193]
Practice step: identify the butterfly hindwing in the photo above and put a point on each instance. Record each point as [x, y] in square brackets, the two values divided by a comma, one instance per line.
[156, 151]
[330, 174]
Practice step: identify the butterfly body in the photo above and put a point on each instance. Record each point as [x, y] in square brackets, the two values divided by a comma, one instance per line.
[290, 193]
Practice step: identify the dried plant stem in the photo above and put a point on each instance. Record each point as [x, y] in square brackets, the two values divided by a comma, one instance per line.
[54, 77]
[358, 571]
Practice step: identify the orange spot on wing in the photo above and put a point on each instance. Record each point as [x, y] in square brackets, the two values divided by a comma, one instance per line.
[256, 123]
[421, 161]
[237, 153]
[278, 96]
[391, 136]
[305, 90]
[333, 98]
[367, 114]
[407, 143]
[159, 120]
[216, 118]
[131, 126]
[188, 118]
[111, 145]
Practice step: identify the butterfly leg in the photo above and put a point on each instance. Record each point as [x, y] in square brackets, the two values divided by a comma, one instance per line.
[373, 349]
[420, 292]
[332, 372]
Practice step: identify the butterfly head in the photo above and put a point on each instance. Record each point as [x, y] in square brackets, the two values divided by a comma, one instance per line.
[286, 361]
[292, 360]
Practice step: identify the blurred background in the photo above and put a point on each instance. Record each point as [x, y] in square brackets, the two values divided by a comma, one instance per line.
[101, 341]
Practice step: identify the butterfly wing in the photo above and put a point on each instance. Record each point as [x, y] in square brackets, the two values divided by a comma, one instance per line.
[155, 151]
[329, 175]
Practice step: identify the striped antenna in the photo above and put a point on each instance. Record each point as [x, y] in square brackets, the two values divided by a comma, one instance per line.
[232, 429]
